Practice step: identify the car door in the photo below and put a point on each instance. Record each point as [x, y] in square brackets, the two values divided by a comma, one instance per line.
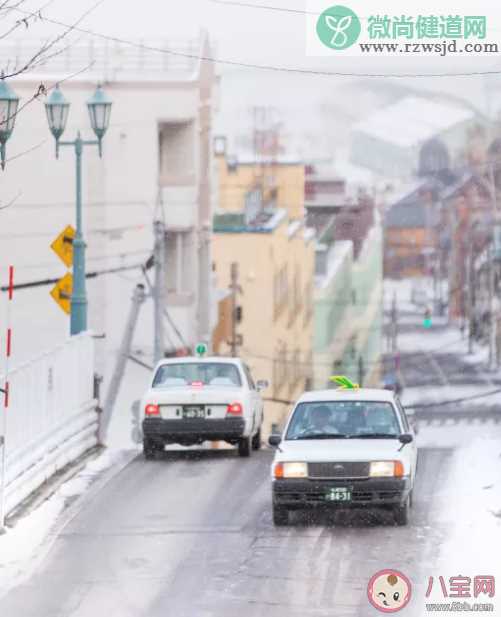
[408, 428]
[255, 399]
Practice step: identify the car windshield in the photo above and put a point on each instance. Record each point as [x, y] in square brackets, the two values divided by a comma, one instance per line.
[343, 420]
[221, 374]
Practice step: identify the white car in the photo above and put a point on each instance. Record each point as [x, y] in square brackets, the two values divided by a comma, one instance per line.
[192, 400]
[345, 448]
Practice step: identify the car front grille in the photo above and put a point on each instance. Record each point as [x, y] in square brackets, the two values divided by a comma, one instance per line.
[335, 470]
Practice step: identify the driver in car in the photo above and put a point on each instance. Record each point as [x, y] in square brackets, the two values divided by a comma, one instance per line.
[321, 421]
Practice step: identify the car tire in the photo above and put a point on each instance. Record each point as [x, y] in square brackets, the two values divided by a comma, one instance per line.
[244, 446]
[150, 449]
[280, 516]
[256, 440]
[401, 513]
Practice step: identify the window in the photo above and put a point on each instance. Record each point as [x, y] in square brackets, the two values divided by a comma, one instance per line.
[280, 291]
[206, 373]
[280, 367]
[361, 419]
[247, 372]
[177, 153]
[308, 302]
[405, 422]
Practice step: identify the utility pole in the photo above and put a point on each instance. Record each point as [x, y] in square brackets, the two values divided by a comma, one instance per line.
[234, 290]
[491, 255]
[394, 323]
[361, 371]
[159, 291]
[124, 352]
[470, 284]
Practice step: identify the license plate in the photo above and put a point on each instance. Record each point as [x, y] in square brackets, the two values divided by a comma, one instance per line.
[338, 494]
[193, 412]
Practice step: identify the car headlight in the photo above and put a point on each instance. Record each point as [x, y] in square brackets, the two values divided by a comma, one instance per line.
[291, 470]
[385, 469]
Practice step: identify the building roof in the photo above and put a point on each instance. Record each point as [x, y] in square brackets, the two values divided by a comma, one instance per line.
[409, 211]
[234, 222]
[406, 215]
[413, 120]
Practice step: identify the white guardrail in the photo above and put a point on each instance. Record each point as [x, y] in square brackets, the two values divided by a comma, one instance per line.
[52, 416]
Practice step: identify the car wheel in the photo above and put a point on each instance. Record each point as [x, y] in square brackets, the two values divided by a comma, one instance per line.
[244, 446]
[150, 449]
[280, 516]
[401, 513]
[256, 440]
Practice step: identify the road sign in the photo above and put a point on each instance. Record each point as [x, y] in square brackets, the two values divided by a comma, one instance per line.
[63, 245]
[61, 292]
[201, 349]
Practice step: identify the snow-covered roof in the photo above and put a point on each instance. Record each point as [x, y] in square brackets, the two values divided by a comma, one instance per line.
[412, 121]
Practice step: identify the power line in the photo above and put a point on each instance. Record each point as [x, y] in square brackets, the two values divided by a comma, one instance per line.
[89, 275]
[251, 65]
[416, 406]
[453, 401]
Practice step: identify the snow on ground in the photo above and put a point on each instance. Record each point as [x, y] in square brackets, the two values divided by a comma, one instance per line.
[469, 508]
[434, 394]
[22, 546]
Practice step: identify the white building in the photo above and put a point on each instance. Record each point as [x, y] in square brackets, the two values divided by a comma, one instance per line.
[389, 141]
[156, 165]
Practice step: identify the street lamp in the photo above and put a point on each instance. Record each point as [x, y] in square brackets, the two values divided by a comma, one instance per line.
[57, 108]
[9, 102]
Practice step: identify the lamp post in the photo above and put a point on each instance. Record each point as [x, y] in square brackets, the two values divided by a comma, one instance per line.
[9, 102]
[57, 108]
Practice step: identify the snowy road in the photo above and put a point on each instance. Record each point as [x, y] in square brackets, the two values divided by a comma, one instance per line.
[191, 536]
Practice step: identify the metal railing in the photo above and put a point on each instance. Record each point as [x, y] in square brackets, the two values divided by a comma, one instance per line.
[108, 60]
[52, 416]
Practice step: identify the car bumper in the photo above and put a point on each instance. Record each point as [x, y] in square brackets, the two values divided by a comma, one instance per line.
[364, 493]
[193, 430]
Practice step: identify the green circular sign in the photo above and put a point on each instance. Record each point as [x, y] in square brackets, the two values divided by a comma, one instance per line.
[338, 27]
[201, 349]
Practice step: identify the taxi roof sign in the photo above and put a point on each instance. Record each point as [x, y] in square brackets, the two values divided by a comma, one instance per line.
[61, 292]
[63, 245]
[344, 383]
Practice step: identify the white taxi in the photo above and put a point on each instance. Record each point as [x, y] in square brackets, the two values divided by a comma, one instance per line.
[345, 448]
[193, 399]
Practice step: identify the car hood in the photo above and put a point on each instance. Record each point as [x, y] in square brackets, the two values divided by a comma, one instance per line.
[322, 450]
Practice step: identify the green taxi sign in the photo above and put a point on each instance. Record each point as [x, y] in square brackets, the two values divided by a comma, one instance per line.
[201, 349]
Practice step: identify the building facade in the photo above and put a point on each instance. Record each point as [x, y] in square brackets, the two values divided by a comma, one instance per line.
[275, 263]
[156, 166]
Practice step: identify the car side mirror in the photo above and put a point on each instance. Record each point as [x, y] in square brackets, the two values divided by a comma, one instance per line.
[262, 384]
[405, 438]
[274, 440]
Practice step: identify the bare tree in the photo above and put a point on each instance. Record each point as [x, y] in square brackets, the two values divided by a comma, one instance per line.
[14, 20]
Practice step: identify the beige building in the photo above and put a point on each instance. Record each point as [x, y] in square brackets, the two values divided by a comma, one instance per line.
[260, 226]
[275, 258]
[252, 182]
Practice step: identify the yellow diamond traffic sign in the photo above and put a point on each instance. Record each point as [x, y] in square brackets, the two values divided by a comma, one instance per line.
[61, 292]
[63, 245]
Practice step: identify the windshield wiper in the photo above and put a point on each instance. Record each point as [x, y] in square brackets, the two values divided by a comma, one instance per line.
[374, 436]
[322, 436]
